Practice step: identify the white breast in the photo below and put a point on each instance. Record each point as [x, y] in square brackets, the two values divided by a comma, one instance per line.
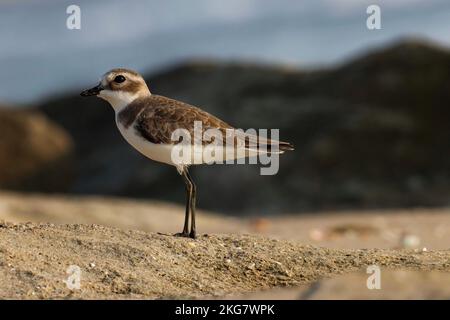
[156, 152]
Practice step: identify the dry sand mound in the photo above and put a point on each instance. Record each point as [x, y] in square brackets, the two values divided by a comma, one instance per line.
[134, 264]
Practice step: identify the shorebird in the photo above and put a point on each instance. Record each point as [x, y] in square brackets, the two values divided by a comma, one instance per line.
[147, 122]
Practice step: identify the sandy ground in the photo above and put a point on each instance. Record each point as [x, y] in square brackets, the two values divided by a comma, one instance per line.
[394, 284]
[134, 264]
[316, 256]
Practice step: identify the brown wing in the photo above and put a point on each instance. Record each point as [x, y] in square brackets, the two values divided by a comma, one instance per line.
[162, 116]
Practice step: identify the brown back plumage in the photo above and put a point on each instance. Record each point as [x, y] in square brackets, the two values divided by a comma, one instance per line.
[156, 117]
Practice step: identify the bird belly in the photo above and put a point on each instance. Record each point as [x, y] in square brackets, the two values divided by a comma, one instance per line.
[156, 152]
[173, 155]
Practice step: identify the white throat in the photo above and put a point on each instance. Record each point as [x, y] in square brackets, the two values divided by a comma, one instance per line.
[118, 99]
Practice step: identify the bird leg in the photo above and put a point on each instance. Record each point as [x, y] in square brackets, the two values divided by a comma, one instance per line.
[185, 232]
[192, 234]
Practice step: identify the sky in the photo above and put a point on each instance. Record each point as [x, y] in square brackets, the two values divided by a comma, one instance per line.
[41, 58]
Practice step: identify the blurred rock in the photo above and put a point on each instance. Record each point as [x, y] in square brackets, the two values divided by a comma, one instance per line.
[35, 153]
[409, 241]
[259, 225]
[348, 230]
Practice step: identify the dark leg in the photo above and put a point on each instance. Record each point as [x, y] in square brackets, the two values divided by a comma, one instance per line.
[188, 183]
[192, 234]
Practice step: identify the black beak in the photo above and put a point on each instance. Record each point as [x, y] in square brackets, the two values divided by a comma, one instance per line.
[92, 91]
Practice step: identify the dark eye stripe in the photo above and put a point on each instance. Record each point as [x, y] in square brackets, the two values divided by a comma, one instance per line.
[119, 79]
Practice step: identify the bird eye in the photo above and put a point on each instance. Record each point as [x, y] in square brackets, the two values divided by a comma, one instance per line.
[119, 79]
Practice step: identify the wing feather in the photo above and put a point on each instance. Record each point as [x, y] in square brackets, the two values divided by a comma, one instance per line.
[162, 116]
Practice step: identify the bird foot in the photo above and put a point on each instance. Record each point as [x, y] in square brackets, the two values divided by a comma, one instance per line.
[191, 235]
[182, 234]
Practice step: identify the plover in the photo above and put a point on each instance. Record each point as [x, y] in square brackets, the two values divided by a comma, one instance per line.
[147, 122]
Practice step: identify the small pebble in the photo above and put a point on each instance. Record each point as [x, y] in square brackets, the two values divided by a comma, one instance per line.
[192, 244]
[316, 235]
[410, 241]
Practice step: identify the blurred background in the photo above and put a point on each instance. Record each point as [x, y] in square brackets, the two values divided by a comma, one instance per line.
[368, 110]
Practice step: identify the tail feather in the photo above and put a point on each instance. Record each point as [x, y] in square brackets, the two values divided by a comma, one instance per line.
[286, 146]
[260, 144]
[271, 146]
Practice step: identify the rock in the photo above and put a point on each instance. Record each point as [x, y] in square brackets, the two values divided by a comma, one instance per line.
[409, 241]
[35, 153]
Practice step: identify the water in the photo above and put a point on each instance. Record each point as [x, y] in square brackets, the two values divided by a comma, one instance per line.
[40, 57]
